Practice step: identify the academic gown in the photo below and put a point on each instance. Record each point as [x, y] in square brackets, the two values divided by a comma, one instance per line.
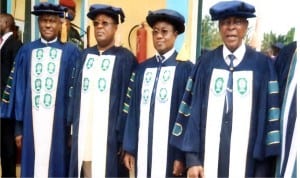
[130, 142]
[285, 65]
[189, 130]
[124, 64]
[21, 105]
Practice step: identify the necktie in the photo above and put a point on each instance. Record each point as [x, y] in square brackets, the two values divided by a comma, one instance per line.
[160, 58]
[1, 39]
[229, 85]
[225, 136]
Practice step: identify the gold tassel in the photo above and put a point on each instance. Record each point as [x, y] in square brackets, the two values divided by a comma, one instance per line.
[64, 32]
[63, 35]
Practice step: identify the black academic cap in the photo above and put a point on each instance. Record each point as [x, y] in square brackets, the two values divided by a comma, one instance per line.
[111, 11]
[48, 8]
[224, 9]
[168, 15]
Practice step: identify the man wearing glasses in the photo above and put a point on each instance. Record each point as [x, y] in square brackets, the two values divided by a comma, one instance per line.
[155, 93]
[101, 82]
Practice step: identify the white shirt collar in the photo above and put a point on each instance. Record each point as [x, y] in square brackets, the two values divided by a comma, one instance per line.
[238, 53]
[167, 55]
[47, 42]
[5, 37]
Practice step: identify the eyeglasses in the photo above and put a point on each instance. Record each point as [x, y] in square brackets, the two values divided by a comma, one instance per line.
[163, 32]
[235, 22]
[103, 23]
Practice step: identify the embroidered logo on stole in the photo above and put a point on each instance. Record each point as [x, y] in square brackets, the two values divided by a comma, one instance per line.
[45, 65]
[219, 86]
[94, 112]
[242, 99]
[242, 86]
[161, 113]
[44, 69]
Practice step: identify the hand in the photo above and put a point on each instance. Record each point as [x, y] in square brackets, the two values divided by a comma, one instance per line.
[195, 172]
[129, 161]
[18, 141]
[178, 168]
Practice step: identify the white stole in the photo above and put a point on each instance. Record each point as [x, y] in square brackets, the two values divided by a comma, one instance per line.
[45, 66]
[242, 97]
[160, 121]
[94, 112]
[241, 121]
[147, 88]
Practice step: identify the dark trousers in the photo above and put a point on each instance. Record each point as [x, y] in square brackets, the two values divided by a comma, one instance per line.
[8, 148]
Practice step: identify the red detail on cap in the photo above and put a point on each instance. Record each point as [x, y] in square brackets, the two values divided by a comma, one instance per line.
[68, 3]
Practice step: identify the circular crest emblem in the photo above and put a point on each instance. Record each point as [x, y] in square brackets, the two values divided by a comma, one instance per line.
[90, 63]
[49, 83]
[163, 95]
[242, 86]
[219, 86]
[105, 64]
[53, 53]
[145, 96]
[101, 84]
[37, 85]
[48, 101]
[38, 68]
[166, 75]
[148, 77]
[85, 84]
[39, 54]
[51, 68]
[36, 104]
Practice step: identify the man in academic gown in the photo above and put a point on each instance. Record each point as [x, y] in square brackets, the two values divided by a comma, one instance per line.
[41, 111]
[286, 65]
[228, 122]
[102, 77]
[154, 96]
[9, 47]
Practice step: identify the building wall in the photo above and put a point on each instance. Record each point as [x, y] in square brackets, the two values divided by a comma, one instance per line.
[18, 9]
[135, 14]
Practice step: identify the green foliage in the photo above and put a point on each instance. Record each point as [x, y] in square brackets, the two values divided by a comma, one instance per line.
[272, 38]
[210, 37]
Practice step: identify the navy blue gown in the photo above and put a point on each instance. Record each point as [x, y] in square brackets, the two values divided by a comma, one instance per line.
[189, 133]
[285, 65]
[20, 106]
[132, 109]
[124, 64]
